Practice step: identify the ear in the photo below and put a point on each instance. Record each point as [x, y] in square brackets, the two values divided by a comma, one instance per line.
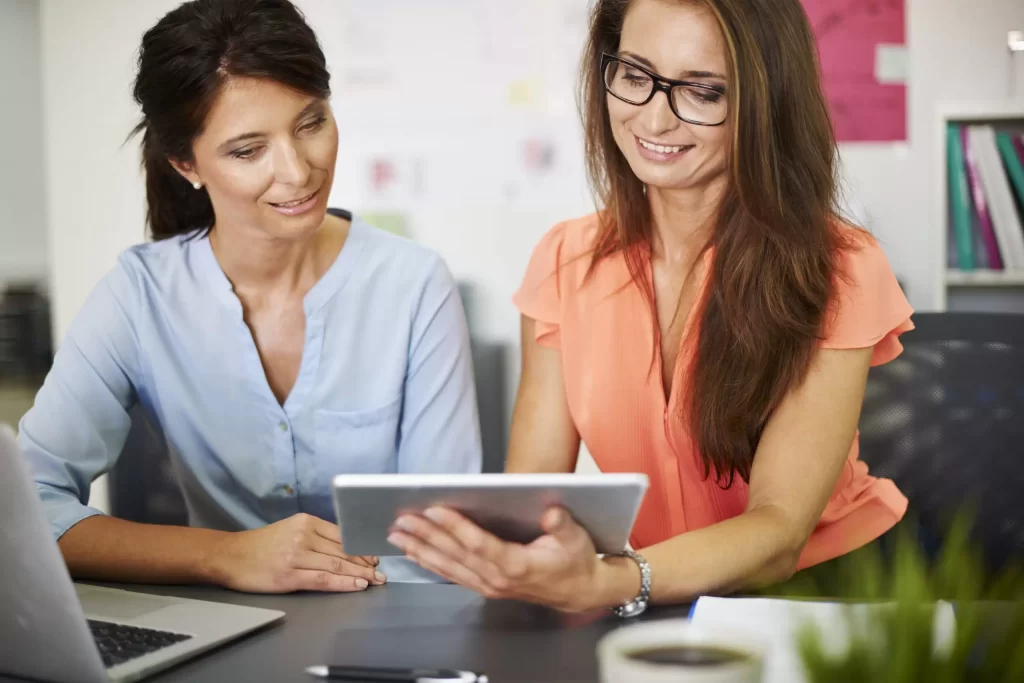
[186, 171]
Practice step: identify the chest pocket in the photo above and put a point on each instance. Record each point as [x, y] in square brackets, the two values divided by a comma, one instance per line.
[360, 442]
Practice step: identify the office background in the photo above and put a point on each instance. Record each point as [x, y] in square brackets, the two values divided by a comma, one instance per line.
[458, 127]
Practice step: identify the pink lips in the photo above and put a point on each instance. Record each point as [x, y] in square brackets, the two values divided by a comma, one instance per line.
[298, 209]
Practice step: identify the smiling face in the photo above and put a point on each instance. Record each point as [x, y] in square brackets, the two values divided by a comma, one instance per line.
[266, 156]
[677, 41]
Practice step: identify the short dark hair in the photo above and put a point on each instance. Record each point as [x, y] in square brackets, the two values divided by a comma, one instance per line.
[183, 62]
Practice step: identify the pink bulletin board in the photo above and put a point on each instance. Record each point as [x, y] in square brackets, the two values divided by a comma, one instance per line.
[861, 43]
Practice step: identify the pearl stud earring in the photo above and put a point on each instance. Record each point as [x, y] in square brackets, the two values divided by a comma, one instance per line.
[198, 185]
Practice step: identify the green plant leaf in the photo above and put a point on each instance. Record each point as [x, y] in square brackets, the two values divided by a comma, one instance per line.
[894, 642]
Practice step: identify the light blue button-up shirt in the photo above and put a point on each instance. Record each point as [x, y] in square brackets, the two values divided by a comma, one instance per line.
[385, 385]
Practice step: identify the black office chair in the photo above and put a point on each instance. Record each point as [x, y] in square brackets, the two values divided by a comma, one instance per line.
[945, 421]
[143, 486]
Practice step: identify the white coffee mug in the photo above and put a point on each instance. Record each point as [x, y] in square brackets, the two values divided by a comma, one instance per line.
[647, 653]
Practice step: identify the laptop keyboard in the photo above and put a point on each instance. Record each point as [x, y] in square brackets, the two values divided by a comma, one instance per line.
[119, 643]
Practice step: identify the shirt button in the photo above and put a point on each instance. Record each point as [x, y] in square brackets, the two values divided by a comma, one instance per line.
[283, 426]
[288, 489]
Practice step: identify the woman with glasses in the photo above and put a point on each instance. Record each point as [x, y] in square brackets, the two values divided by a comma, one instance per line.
[712, 325]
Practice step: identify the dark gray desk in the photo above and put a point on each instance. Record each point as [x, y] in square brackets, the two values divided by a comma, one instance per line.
[403, 625]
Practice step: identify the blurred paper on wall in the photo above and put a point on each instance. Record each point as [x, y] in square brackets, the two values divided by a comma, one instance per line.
[892, 64]
[397, 179]
[394, 222]
[524, 93]
[538, 155]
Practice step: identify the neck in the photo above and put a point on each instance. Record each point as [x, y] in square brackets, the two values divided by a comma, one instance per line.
[683, 220]
[258, 265]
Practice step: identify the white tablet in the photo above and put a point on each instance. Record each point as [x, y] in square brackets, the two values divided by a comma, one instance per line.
[508, 505]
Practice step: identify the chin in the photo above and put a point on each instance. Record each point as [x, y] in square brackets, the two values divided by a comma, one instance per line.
[294, 227]
[665, 181]
[671, 177]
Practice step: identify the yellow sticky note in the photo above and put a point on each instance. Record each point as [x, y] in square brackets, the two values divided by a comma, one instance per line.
[523, 93]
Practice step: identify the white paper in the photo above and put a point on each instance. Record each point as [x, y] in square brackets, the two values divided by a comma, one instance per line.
[892, 64]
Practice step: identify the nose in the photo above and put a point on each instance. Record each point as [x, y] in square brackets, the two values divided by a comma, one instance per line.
[657, 116]
[290, 165]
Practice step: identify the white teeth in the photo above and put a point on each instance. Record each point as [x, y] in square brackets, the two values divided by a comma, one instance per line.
[288, 205]
[661, 149]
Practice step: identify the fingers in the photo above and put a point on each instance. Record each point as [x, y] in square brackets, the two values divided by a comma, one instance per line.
[321, 545]
[561, 525]
[324, 528]
[339, 566]
[468, 535]
[314, 580]
[497, 558]
[433, 539]
[331, 532]
[441, 564]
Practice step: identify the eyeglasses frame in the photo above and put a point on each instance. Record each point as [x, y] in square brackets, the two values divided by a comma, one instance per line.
[660, 84]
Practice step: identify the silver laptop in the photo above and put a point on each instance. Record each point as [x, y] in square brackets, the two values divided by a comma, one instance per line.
[54, 630]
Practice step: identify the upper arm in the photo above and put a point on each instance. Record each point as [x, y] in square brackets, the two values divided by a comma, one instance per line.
[78, 424]
[440, 428]
[543, 435]
[807, 440]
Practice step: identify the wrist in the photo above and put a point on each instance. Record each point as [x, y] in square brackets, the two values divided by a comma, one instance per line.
[619, 581]
[212, 557]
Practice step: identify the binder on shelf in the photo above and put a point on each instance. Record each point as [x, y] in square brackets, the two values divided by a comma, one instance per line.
[1006, 223]
[1013, 164]
[959, 197]
[1018, 145]
[984, 220]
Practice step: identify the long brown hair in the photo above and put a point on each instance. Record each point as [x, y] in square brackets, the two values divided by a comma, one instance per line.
[777, 234]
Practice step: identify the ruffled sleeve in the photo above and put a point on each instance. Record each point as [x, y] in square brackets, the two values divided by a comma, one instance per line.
[539, 295]
[868, 308]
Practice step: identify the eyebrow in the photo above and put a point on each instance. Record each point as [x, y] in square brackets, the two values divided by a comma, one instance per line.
[309, 108]
[643, 61]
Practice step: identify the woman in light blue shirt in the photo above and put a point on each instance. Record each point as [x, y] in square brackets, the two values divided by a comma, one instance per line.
[275, 344]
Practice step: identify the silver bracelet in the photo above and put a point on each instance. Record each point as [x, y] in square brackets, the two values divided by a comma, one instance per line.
[637, 605]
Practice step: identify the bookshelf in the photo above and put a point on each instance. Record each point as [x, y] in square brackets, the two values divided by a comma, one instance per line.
[978, 289]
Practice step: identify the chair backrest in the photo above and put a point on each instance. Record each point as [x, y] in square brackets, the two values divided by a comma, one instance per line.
[945, 421]
[143, 487]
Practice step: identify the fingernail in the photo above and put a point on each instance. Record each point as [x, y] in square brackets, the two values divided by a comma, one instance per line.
[433, 514]
[394, 539]
[380, 577]
[404, 523]
[362, 583]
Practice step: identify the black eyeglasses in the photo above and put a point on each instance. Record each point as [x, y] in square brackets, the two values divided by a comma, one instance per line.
[697, 103]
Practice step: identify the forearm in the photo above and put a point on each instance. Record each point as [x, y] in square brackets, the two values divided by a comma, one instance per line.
[110, 549]
[756, 548]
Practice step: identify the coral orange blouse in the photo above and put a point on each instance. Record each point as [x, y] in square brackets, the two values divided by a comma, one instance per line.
[603, 328]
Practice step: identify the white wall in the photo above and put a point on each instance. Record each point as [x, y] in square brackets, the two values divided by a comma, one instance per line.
[22, 196]
[484, 224]
[94, 189]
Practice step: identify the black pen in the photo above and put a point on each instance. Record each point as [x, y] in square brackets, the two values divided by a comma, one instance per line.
[381, 674]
